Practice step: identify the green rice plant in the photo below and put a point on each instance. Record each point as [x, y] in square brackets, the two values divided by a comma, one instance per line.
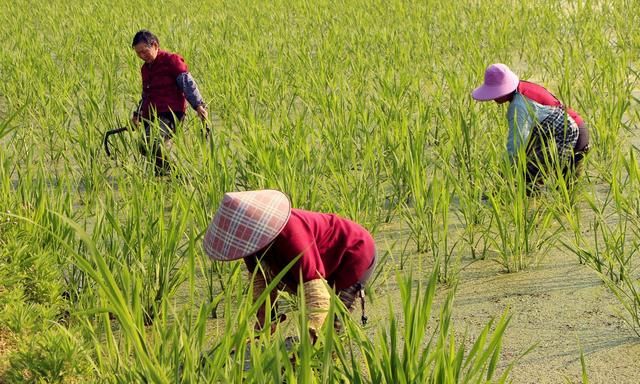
[7, 118]
[416, 212]
[613, 252]
[420, 352]
[583, 370]
[151, 244]
[215, 273]
[523, 228]
[471, 188]
[631, 187]
[438, 227]
[609, 70]
[611, 245]
[583, 366]
[399, 185]
[627, 292]
[285, 162]
[359, 194]
[103, 277]
[53, 356]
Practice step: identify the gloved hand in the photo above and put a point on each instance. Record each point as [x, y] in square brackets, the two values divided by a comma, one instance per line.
[318, 300]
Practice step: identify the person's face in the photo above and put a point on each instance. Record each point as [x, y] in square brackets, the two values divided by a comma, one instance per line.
[146, 52]
[503, 99]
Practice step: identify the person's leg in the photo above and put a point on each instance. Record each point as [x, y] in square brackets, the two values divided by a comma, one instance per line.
[582, 145]
[349, 295]
[144, 146]
[534, 175]
[537, 159]
[167, 123]
[150, 144]
[575, 168]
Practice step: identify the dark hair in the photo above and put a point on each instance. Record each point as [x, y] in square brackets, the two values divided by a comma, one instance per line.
[144, 36]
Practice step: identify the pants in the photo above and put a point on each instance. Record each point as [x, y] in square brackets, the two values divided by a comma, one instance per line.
[160, 147]
[539, 160]
[348, 295]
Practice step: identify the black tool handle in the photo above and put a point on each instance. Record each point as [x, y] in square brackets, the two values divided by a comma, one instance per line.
[109, 133]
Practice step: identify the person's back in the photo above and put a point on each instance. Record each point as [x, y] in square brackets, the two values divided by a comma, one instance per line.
[542, 96]
[332, 247]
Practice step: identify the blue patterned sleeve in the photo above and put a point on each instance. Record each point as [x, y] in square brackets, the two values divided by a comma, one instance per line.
[188, 86]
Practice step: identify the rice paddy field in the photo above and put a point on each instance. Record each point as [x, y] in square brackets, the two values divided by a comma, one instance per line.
[361, 108]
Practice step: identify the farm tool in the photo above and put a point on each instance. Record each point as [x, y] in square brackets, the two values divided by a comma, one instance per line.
[110, 133]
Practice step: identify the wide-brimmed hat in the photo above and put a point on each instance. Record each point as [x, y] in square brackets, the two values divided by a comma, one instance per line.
[246, 222]
[498, 81]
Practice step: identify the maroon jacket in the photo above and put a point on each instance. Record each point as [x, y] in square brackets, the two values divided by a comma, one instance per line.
[160, 90]
[332, 247]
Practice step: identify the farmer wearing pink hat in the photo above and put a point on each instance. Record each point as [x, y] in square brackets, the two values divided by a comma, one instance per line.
[261, 228]
[535, 116]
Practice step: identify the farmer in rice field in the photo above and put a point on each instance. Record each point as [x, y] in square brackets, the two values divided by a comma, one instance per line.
[261, 228]
[536, 118]
[166, 86]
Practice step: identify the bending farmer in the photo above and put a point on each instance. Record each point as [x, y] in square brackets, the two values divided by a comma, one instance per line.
[537, 119]
[262, 228]
[166, 86]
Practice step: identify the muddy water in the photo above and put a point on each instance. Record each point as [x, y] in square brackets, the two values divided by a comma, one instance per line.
[558, 306]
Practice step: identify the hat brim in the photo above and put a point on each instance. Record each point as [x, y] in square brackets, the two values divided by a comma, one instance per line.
[491, 92]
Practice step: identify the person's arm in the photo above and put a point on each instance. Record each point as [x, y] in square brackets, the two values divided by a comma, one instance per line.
[308, 271]
[259, 285]
[521, 121]
[135, 116]
[317, 301]
[188, 86]
[261, 275]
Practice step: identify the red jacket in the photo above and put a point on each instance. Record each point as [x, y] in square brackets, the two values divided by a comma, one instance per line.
[540, 95]
[332, 247]
[160, 90]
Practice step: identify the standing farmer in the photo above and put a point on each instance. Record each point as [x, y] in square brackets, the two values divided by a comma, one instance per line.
[166, 86]
[261, 228]
[536, 119]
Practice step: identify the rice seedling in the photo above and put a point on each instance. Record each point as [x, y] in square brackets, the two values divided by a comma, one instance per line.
[523, 228]
[416, 354]
[471, 210]
[612, 246]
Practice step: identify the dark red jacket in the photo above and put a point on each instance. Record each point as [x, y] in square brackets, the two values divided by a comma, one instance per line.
[159, 84]
[332, 247]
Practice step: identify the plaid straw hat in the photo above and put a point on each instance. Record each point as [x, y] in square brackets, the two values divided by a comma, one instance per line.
[245, 223]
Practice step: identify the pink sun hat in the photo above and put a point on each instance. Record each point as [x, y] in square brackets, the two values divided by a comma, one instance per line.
[246, 222]
[498, 81]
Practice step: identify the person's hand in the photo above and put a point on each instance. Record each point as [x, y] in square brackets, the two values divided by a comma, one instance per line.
[135, 121]
[202, 112]
[313, 335]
